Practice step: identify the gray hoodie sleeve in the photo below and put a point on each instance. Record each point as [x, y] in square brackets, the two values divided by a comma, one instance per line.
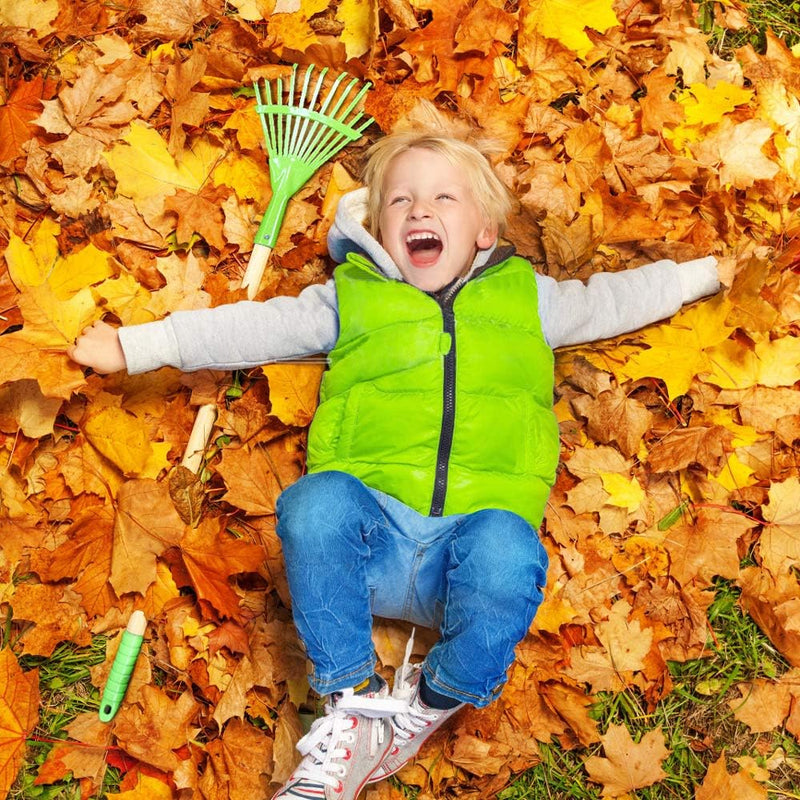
[611, 303]
[238, 335]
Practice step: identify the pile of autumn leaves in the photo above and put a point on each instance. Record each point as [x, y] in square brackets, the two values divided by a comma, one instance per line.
[133, 178]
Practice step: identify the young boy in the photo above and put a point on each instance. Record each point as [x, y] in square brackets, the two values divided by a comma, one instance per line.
[434, 445]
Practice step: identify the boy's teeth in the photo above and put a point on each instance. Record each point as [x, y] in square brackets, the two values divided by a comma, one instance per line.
[415, 237]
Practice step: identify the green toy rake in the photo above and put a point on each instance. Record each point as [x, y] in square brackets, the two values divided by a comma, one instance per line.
[303, 128]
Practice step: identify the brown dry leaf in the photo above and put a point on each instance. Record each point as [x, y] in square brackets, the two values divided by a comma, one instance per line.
[55, 614]
[19, 714]
[763, 704]
[255, 476]
[615, 417]
[211, 557]
[706, 446]
[698, 551]
[86, 557]
[153, 732]
[773, 601]
[145, 525]
[780, 540]
[238, 764]
[719, 784]
[627, 765]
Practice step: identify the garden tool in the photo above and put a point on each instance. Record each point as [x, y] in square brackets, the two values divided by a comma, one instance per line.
[304, 126]
[302, 129]
[122, 668]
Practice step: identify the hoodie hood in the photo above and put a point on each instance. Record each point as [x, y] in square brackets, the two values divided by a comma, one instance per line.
[348, 235]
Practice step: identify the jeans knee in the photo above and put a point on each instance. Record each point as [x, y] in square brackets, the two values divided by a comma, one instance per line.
[318, 506]
[512, 558]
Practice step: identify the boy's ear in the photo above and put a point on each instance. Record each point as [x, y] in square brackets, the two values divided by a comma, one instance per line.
[487, 237]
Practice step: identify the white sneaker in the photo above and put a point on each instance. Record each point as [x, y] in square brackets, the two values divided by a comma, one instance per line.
[412, 726]
[343, 748]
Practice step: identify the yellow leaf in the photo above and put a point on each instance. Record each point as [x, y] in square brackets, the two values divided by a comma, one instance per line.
[623, 492]
[360, 18]
[247, 176]
[704, 106]
[125, 297]
[293, 391]
[146, 789]
[31, 261]
[679, 351]
[779, 361]
[55, 321]
[37, 16]
[78, 270]
[561, 20]
[292, 31]
[145, 168]
[120, 437]
[735, 474]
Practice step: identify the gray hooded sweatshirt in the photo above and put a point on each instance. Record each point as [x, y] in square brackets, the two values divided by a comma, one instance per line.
[250, 333]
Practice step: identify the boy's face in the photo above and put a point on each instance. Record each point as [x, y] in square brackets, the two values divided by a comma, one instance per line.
[430, 223]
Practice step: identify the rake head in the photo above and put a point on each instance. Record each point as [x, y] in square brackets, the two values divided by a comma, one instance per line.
[307, 126]
[304, 126]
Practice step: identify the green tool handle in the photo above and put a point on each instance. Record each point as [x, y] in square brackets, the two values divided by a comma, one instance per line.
[265, 240]
[122, 668]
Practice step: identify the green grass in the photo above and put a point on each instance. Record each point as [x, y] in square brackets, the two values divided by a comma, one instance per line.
[66, 691]
[697, 722]
[782, 17]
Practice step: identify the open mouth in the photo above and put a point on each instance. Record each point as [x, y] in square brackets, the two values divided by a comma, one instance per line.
[423, 248]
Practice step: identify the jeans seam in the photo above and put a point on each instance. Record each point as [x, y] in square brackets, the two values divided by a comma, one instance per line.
[323, 686]
[419, 553]
[446, 688]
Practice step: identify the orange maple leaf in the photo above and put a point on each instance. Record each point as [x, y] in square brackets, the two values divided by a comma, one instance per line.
[16, 116]
[211, 557]
[19, 714]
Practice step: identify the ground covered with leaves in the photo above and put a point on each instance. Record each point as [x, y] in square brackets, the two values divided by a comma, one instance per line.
[132, 180]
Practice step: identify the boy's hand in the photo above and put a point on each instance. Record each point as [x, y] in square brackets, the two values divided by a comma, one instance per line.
[98, 347]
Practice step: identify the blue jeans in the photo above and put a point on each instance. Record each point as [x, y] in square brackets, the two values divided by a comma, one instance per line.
[352, 552]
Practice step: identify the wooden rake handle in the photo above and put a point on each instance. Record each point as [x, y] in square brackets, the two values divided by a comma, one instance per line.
[207, 414]
[198, 438]
[255, 269]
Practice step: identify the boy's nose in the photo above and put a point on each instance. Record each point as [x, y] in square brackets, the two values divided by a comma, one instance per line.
[419, 210]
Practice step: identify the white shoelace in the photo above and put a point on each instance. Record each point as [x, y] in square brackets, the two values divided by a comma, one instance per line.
[329, 736]
[413, 719]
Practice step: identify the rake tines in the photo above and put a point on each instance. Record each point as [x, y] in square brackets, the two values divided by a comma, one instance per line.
[304, 126]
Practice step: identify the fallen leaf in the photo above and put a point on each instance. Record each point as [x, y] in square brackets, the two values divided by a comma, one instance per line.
[19, 715]
[627, 765]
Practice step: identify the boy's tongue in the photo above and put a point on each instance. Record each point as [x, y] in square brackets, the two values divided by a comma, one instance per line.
[424, 252]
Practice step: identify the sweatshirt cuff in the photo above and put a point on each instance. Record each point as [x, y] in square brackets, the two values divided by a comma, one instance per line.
[698, 278]
[149, 346]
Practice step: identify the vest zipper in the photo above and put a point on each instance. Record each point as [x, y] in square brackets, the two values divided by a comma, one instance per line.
[448, 402]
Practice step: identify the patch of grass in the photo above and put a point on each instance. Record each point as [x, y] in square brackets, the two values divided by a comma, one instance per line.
[66, 691]
[781, 17]
[696, 718]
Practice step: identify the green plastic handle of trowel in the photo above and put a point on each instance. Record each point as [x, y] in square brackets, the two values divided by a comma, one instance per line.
[122, 668]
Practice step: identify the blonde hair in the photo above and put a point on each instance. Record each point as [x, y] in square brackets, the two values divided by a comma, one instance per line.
[427, 128]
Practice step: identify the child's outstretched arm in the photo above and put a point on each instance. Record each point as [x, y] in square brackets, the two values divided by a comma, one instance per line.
[99, 347]
[612, 303]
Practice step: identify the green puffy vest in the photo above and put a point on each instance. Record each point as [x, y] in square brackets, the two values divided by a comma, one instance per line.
[446, 407]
